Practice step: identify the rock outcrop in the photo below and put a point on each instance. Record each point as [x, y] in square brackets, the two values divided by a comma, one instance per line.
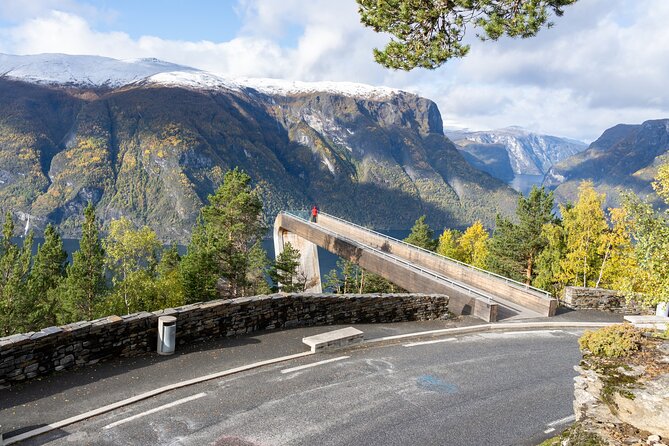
[627, 403]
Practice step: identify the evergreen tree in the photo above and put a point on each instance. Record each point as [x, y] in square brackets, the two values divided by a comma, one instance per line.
[10, 304]
[47, 273]
[84, 286]
[505, 253]
[285, 272]
[514, 248]
[225, 243]
[15, 262]
[198, 268]
[421, 235]
[549, 260]
[428, 33]
[258, 263]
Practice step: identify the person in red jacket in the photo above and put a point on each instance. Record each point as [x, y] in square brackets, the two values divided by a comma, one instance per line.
[314, 213]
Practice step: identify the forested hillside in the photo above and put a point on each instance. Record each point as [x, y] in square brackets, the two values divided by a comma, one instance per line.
[625, 157]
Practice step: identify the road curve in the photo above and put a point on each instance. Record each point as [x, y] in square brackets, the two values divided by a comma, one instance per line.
[493, 388]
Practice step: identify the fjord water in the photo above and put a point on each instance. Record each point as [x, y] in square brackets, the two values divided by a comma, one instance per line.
[524, 183]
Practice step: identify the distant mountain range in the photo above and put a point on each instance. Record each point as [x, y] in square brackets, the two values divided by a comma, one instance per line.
[512, 152]
[625, 157]
[150, 140]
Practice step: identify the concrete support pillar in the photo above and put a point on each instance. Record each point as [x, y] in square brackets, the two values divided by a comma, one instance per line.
[308, 256]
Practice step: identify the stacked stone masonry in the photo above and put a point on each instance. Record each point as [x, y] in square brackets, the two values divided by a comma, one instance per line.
[28, 355]
[582, 298]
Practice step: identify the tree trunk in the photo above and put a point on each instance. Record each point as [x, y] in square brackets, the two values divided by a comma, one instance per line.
[528, 271]
[601, 270]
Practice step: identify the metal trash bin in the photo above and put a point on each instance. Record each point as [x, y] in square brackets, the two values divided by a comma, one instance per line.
[167, 334]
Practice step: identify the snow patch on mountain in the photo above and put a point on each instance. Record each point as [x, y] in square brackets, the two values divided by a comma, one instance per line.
[96, 71]
[81, 71]
[198, 80]
[288, 88]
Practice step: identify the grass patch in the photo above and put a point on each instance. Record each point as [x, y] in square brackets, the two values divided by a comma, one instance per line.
[576, 436]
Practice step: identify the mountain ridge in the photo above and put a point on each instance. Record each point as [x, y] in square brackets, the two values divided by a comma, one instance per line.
[153, 151]
[625, 157]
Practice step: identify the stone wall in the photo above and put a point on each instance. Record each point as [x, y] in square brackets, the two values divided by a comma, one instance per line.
[609, 413]
[25, 356]
[581, 298]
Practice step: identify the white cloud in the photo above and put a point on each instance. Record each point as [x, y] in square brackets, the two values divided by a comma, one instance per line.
[603, 63]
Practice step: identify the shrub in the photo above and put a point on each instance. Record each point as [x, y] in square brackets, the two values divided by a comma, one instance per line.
[613, 341]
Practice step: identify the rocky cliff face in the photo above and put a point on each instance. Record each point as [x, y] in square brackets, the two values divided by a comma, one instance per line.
[152, 148]
[526, 153]
[625, 157]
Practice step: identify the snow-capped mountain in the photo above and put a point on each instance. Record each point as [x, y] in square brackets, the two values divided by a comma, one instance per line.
[105, 72]
[528, 153]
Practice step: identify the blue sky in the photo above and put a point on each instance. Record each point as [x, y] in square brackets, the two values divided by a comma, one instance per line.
[605, 62]
[173, 19]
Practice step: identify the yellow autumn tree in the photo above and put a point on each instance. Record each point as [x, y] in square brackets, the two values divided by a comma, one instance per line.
[661, 183]
[617, 252]
[474, 245]
[584, 226]
[448, 244]
[131, 258]
[649, 281]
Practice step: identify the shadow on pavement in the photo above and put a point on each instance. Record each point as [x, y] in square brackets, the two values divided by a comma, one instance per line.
[60, 382]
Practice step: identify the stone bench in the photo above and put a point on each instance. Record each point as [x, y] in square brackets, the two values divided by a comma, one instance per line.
[657, 322]
[334, 339]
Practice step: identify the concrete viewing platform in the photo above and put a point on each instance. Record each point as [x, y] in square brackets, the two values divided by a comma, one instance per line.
[472, 291]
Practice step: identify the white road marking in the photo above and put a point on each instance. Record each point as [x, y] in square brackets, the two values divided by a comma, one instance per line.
[142, 396]
[564, 420]
[525, 332]
[497, 326]
[436, 341]
[156, 409]
[549, 430]
[313, 364]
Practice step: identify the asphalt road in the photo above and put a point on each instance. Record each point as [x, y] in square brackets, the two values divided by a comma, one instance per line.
[505, 388]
